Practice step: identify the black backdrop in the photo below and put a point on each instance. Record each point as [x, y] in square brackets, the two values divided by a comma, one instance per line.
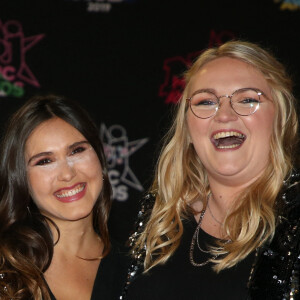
[123, 60]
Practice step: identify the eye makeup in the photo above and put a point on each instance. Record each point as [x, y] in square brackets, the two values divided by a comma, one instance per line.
[77, 152]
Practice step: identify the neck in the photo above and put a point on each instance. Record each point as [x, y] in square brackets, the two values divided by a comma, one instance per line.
[76, 238]
[220, 201]
[225, 192]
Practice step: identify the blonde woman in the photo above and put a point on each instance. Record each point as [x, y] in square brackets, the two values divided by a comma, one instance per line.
[224, 224]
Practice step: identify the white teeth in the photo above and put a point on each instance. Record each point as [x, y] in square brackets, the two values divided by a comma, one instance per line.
[224, 134]
[227, 147]
[71, 192]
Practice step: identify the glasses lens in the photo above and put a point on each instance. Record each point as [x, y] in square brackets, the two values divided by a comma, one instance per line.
[204, 105]
[245, 101]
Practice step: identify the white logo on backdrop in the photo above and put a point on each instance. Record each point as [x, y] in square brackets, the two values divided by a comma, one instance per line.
[118, 149]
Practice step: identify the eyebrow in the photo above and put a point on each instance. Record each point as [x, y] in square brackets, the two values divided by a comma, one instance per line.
[204, 90]
[47, 153]
[213, 91]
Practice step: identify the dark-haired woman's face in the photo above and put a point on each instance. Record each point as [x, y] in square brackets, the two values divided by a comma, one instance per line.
[64, 172]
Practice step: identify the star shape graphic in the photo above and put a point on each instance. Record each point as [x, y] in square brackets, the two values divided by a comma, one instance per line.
[118, 150]
[13, 35]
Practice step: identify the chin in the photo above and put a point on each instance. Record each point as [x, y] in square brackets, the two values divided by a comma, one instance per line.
[230, 175]
[79, 215]
[229, 169]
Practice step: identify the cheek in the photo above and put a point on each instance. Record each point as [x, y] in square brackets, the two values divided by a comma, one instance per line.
[93, 171]
[197, 128]
[90, 169]
[89, 165]
[38, 183]
[262, 126]
[41, 177]
[265, 139]
[261, 129]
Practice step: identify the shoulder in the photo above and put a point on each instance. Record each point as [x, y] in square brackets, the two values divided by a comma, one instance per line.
[137, 256]
[145, 208]
[277, 265]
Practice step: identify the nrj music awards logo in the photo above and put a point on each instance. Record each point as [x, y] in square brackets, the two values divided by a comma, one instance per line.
[14, 70]
[118, 150]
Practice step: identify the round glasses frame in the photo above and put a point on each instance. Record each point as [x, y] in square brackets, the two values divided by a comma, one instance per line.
[257, 91]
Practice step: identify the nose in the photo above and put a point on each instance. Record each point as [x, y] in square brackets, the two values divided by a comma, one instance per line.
[225, 113]
[66, 171]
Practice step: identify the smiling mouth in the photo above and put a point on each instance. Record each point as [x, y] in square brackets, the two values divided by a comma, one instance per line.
[69, 193]
[228, 139]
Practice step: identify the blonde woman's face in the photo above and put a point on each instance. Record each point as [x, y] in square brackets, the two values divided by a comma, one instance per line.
[63, 170]
[234, 149]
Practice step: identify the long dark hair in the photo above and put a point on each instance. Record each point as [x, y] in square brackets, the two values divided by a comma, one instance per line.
[26, 243]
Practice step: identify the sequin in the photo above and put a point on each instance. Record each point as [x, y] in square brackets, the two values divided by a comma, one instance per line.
[280, 260]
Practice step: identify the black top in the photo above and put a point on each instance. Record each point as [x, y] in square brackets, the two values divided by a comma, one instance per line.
[178, 279]
[111, 274]
[275, 274]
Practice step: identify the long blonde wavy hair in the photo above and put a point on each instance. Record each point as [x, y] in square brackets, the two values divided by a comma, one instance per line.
[181, 177]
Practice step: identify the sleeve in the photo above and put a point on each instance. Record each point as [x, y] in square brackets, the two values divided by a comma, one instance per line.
[137, 264]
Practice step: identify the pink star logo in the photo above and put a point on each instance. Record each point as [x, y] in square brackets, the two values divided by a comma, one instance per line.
[13, 48]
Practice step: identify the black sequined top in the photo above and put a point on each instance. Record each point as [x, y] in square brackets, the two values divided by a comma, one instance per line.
[275, 270]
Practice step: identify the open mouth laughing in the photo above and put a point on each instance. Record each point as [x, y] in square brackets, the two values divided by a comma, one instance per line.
[228, 139]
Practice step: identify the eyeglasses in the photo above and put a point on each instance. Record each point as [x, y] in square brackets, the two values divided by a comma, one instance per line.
[205, 104]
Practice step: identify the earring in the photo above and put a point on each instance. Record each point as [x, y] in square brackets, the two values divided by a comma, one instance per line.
[28, 211]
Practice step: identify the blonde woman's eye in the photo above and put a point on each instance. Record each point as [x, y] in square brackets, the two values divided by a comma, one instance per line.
[249, 100]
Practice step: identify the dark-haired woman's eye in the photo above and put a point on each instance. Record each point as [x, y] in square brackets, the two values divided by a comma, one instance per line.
[43, 162]
[78, 150]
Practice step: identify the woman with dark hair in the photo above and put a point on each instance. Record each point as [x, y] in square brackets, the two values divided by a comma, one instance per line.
[55, 199]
